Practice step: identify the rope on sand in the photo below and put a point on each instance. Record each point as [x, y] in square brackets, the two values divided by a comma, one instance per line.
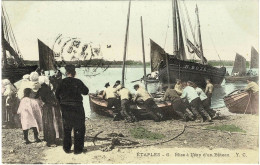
[152, 144]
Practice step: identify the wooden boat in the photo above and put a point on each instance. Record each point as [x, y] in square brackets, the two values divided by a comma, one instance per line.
[237, 102]
[233, 79]
[179, 67]
[99, 106]
[13, 67]
[240, 68]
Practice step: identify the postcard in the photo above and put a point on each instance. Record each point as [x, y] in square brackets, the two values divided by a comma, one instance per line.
[130, 82]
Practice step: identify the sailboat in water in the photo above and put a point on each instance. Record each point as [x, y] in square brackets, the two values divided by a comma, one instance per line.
[13, 67]
[239, 72]
[177, 66]
[99, 105]
[254, 58]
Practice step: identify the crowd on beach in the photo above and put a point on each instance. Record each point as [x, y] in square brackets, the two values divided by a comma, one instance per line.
[55, 105]
[33, 105]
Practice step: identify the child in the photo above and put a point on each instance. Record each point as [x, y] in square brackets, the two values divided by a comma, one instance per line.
[31, 116]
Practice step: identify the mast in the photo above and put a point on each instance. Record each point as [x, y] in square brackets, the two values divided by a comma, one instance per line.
[181, 52]
[3, 46]
[174, 27]
[199, 34]
[126, 37]
[143, 53]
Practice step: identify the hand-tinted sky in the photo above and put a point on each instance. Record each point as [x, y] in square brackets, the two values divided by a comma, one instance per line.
[228, 25]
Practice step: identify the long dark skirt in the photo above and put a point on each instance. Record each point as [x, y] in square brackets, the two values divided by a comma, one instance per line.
[52, 124]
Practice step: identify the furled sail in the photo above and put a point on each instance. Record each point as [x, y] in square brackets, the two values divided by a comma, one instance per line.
[239, 65]
[156, 55]
[46, 58]
[254, 58]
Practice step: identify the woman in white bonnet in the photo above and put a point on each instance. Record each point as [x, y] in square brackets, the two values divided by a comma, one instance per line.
[23, 85]
[34, 84]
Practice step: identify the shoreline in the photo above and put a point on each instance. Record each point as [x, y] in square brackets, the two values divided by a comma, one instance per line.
[195, 139]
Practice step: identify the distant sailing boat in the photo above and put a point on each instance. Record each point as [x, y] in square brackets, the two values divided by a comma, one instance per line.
[13, 67]
[176, 66]
[239, 73]
[254, 58]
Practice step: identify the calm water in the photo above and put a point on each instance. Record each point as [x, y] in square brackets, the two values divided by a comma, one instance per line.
[96, 83]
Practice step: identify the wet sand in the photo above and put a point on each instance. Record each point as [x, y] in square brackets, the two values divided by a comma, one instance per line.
[195, 140]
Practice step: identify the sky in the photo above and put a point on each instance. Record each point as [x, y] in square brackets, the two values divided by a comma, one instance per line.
[227, 26]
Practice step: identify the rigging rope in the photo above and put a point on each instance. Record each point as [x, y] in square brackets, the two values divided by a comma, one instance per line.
[166, 31]
[11, 32]
[215, 48]
[188, 16]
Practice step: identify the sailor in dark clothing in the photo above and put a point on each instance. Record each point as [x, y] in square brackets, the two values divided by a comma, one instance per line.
[69, 94]
[178, 105]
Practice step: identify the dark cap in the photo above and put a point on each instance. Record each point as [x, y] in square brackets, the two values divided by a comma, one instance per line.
[70, 69]
[107, 84]
[136, 86]
[190, 82]
[118, 81]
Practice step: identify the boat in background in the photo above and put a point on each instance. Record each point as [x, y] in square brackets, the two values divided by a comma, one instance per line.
[254, 58]
[13, 67]
[177, 66]
[239, 73]
[238, 102]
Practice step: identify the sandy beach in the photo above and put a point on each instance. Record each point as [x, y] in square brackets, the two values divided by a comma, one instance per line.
[195, 143]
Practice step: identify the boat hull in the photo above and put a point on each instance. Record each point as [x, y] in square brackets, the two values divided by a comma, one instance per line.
[191, 71]
[99, 106]
[232, 79]
[16, 73]
[237, 102]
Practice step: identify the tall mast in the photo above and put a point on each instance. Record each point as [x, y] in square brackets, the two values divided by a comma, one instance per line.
[174, 23]
[143, 53]
[199, 34]
[126, 37]
[181, 52]
[3, 44]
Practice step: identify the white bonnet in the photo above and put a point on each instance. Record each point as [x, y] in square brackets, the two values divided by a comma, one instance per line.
[5, 82]
[43, 79]
[34, 76]
[26, 77]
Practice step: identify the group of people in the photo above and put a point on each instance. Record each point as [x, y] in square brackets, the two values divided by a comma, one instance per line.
[190, 102]
[57, 109]
[121, 98]
[32, 105]
[51, 104]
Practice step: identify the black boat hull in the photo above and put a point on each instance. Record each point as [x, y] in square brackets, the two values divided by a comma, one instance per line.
[16, 73]
[191, 71]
